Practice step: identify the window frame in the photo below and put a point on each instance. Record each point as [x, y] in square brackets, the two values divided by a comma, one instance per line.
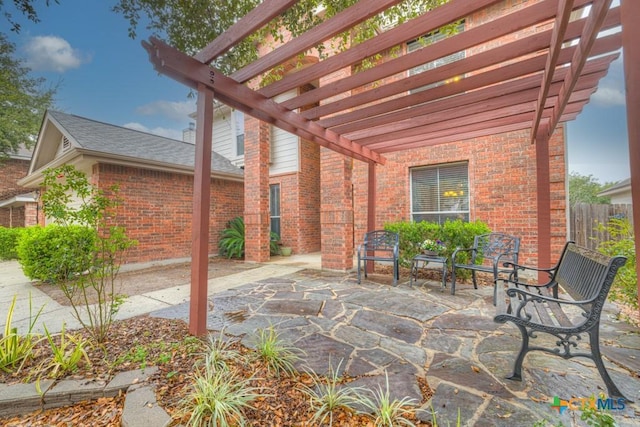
[275, 212]
[451, 190]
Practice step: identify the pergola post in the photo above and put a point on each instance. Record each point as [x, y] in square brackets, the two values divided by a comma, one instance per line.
[371, 206]
[631, 49]
[543, 191]
[200, 219]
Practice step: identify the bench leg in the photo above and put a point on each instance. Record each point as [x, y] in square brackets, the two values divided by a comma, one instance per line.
[594, 343]
[453, 280]
[396, 272]
[517, 366]
[473, 275]
[359, 269]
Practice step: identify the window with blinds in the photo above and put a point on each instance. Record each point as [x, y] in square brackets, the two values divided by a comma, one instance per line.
[440, 192]
[274, 208]
[424, 42]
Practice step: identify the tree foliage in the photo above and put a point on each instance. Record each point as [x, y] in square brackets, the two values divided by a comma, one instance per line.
[585, 189]
[25, 7]
[23, 101]
[191, 25]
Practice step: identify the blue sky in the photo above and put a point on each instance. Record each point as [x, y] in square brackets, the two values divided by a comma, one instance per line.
[104, 75]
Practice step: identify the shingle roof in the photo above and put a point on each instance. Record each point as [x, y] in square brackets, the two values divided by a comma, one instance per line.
[116, 140]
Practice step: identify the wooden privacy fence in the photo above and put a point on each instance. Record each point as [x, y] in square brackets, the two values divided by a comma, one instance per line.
[584, 220]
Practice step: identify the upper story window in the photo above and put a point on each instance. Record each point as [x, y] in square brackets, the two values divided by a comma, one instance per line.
[238, 122]
[425, 41]
[440, 192]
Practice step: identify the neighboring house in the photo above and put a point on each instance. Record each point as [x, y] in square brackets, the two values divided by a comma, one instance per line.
[18, 205]
[154, 175]
[619, 193]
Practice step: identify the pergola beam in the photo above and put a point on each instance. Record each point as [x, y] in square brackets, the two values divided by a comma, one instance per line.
[596, 18]
[341, 22]
[482, 100]
[428, 22]
[258, 17]
[462, 41]
[490, 58]
[535, 64]
[559, 28]
[170, 61]
[452, 132]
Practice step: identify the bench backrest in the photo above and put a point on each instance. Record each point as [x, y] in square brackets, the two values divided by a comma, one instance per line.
[381, 240]
[586, 275]
[492, 245]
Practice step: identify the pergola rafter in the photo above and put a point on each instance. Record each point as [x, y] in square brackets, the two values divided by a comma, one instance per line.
[514, 76]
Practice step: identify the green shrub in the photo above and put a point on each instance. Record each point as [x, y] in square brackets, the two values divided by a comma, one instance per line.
[232, 240]
[8, 241]
[454, 234]
[56, 253]
[622, 242]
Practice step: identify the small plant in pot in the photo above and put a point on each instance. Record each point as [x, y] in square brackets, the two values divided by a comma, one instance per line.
[285, 250]
[432, 247]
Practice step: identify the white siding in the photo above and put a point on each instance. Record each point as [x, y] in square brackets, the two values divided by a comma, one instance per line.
[285, 146]
[223, 140]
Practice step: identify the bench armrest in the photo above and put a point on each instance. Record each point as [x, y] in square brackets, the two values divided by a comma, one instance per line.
[530, 296]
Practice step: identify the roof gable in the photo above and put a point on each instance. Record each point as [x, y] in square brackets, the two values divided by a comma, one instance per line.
[63, 133]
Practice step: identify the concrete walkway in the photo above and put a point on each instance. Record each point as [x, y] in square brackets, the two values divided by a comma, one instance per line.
[409, 333]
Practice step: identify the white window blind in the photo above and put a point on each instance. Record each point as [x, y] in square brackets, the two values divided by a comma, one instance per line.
[440, 192]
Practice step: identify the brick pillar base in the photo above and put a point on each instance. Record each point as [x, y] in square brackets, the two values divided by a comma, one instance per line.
[336, 213]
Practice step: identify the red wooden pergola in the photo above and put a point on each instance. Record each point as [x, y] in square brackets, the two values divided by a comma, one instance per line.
[535, 82]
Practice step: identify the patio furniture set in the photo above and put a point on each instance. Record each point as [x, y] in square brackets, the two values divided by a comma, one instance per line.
[584, 275]
[494, 249]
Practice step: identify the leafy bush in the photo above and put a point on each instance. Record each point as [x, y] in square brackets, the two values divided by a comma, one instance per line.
[622, 242]
[232, 240]
[8, 241]
[56, 253]
[453, 234]
[98, 254]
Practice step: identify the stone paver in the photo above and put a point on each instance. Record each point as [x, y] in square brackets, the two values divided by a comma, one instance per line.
[380, 333]
[372, 330]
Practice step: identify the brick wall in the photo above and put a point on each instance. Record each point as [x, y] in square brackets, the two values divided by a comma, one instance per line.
[156, 209]
[11, 171]
[502, 185]
[300, 202]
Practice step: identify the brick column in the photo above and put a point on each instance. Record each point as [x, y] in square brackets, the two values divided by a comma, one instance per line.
[31, 214]
[256, 189]
[336, 210]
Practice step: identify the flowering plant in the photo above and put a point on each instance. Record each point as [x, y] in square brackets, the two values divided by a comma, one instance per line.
[433, 246]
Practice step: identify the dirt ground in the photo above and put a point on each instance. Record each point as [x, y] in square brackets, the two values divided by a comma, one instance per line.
[151, 279]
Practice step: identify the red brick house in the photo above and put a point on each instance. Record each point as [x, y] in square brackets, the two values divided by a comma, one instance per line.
[318, 198]
[154, 175]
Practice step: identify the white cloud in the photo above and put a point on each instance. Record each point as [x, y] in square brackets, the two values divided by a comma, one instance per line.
[176, 111]
[609, 96]
[51, 53]
[160, 131]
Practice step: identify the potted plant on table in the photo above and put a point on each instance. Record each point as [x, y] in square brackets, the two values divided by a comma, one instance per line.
[432, 247]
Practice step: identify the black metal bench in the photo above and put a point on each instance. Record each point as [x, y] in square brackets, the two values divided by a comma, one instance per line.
[586, 276]
[494, 249]
[380, 245]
